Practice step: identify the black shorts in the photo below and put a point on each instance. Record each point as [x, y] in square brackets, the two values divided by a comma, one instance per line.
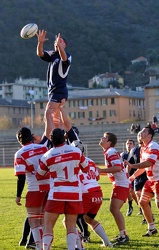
[139, 182]
[57, 97]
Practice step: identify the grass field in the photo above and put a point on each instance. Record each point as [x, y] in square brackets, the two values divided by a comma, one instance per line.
[12, 217]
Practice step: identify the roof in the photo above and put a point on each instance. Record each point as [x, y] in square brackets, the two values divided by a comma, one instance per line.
[101, 93]
[15, 103]
[141, 58]
[152, 84]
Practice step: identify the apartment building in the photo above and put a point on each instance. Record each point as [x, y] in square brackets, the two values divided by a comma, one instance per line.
[101, 106]
[103, 80]
[15, 110]
[152, 98]
[23, 89]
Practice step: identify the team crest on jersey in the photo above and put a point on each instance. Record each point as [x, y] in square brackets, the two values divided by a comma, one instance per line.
[31, 153]
[58, 158]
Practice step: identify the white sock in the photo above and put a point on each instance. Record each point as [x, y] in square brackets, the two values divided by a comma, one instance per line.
[37, 235]
[79, 244]
[99, 230]
[71, 240]
[47, 241]
[151, 226]
[122, 233]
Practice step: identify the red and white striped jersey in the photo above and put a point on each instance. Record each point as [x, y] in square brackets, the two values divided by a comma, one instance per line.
[63, 163]
[150, 152]
[112, 157]
[26, 161]
[90, 179]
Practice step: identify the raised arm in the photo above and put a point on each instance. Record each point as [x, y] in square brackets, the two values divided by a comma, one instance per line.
[41, 40]
[59, 43]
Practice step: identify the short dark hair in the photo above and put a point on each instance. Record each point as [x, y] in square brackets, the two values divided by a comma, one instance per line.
[112, 138]
[130, 140]
[150, 130]
[57, 136]
[24, 135]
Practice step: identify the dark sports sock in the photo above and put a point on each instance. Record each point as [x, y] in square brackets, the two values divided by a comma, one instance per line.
[130, 203]
[26, 229]
[31, 239]
[82, 225]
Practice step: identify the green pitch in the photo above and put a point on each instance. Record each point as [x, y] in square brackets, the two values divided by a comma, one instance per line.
[12, 218]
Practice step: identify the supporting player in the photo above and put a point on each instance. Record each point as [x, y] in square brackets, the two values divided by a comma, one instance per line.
[26, 162]
[63, 162]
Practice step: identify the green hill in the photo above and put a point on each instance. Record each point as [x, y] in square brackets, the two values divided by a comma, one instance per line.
[101, 35]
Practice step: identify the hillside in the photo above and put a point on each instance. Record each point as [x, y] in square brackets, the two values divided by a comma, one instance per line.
[101, 34]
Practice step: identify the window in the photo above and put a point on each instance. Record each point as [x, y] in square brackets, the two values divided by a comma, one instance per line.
[14, 121]
[133, 113]
[90, 102]
[139, 103]
[19, 121]
[80, 103]
[104, 101]
[97, 113]
[104, 113]
[112, 101]
[72, 115]
[97, 102]
[41, 105]
[133, 102]
[81, 114]
[90, 114]
[112, 113]
[72, 103]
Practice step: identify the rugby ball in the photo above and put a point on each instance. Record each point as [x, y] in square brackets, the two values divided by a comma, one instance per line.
[29, 30]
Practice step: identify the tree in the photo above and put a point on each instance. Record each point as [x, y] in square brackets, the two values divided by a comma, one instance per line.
[6, 123]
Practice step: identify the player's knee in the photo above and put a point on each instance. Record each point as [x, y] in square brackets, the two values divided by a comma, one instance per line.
[144, 200]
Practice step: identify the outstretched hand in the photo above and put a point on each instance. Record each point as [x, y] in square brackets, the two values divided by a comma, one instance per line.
[42, 36]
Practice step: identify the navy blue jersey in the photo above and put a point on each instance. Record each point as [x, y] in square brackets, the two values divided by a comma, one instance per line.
[128, 156]
[72, 136]
[57, 73]
[141, 179]
[45, 141]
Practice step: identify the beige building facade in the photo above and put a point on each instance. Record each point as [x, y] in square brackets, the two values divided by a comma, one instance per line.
[101, 106]
[15, 110]
[152, 99]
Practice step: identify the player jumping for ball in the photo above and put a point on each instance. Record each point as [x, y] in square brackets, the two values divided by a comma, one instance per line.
[59, 63]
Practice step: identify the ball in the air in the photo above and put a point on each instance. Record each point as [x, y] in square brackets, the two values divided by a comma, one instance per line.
[29, 30]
